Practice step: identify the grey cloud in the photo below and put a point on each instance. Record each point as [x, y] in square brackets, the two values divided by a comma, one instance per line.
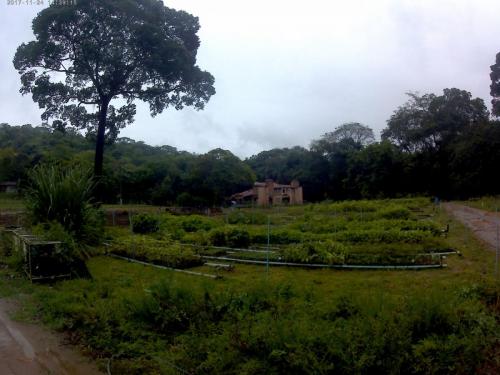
[288, 71]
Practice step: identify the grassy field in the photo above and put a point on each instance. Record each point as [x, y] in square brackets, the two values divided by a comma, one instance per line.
[485, 203]
[10, 202]
[382, 233]
[138, 319]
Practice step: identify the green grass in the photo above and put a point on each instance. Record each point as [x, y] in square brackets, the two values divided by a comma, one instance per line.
[353, 232]
[11, 202]
[133, 207]
[484, 203]
[288, 320]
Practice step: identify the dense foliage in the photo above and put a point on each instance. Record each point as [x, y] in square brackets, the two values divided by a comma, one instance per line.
[193, 326]
[388, 233]
[440, 145]
[133, 171]
[88, 56]
[64, 196]
[140, 320]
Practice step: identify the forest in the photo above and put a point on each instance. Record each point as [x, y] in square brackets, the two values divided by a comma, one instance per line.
[443, 145]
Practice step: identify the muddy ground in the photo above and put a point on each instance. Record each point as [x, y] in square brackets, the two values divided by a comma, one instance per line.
[484, 224]
[28, 349]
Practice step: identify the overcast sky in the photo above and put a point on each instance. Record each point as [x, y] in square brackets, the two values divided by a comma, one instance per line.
[288, 71]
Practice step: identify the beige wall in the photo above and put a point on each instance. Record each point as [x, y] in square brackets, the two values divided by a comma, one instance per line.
[269, 190]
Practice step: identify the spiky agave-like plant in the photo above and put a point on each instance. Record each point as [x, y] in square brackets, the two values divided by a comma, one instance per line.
[64, 195]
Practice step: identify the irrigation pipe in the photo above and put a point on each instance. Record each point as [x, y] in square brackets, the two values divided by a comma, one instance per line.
[335, 266]
[443, 253]
[286, 264]
[214, 247]
[225, 248]
[164, 267]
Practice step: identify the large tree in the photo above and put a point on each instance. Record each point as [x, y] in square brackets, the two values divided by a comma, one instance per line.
[495, 86]
[87, 55]
[430, 122]
[353, 133]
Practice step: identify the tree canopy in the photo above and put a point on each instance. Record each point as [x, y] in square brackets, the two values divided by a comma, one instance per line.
[434, 144]
[86, 55]
[495, 86]
[429, 121]
[351, 134]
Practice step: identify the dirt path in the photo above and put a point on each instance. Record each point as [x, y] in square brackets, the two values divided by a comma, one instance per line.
[482, 223]
[27, 349]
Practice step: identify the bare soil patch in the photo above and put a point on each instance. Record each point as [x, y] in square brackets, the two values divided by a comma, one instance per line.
[482, 223]
[28, 349]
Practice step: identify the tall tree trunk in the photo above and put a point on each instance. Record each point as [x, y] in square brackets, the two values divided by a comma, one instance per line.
[99, 149]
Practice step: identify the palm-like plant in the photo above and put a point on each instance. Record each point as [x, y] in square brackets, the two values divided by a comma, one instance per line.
[64, 195]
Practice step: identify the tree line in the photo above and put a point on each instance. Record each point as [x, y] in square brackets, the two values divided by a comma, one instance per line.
[444, 145]
[88, 58]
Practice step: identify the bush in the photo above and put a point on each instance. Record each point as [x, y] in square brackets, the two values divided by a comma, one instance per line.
[6, 244]
[327, 252]
[397, 212]
[65, 258]
[248, 218]
[237, 237]
[194, 223]
[157, 252]
[64, 195]
[145, 223]
[218, 237]
[233, 237]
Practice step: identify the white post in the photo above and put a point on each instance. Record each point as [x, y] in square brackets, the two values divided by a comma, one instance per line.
[268, 242]
[498, 245]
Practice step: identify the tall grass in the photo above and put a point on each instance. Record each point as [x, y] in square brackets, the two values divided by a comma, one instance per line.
[271, 328]
[64, 196]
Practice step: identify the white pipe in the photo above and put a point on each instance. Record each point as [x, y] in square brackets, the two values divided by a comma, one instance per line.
[164, 267]
[339, 266]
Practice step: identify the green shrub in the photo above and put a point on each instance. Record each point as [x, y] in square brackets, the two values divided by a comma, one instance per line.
[276, 235]
[382, 236]
[242, 217]
[65, 258]
[229, 236]
[155, 251]
[218, 237]
[275, 328]
[397, 212]
[327, 252]
[197, 238]
[64, 195]
[194, 223]
[145, 223]
[6, 243]
[237, 237]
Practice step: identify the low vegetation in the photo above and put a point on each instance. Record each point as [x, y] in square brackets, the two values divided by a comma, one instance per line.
[137, 319]
[64, 196]
[397, 232]
[491, 203]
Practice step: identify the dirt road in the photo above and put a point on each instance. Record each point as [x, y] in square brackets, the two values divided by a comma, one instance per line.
[27, 349]
[482, 223]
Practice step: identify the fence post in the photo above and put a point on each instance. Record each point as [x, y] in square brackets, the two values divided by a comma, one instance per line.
[497, 255]
[268, 243]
